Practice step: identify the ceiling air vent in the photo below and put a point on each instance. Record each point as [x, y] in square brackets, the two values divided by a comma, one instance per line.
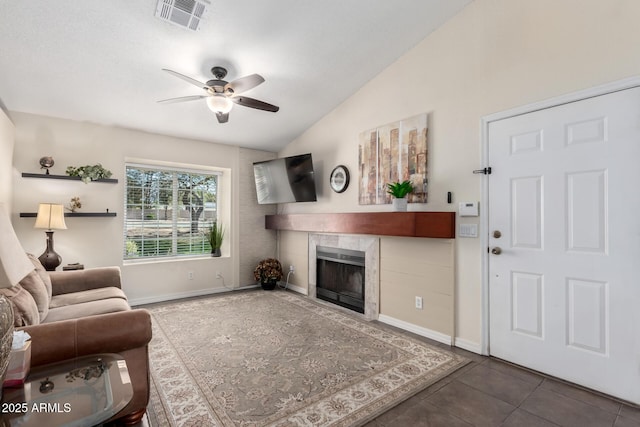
[184, 13]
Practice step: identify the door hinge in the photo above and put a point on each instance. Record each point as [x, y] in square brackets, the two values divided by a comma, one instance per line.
[485, 171]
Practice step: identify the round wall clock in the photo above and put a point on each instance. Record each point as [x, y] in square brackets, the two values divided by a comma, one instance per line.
[339, 179]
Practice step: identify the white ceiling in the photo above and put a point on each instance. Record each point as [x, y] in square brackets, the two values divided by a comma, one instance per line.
[100, 61]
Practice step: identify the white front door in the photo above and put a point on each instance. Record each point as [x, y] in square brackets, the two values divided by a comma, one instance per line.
[564, 199]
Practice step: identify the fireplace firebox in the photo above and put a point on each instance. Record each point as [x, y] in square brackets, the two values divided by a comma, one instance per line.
[340, 277]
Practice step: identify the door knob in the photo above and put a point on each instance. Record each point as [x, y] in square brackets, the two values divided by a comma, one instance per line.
[497, 234]
[496, 251]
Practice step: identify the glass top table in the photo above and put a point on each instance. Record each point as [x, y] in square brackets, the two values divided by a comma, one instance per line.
[80, 392]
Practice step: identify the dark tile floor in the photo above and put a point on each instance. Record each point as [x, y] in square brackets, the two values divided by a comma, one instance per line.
[489, 392]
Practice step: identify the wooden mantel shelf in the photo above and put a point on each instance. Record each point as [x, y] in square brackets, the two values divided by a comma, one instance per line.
[440, 225]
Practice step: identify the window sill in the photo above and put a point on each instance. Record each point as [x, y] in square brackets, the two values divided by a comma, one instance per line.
[141, 261]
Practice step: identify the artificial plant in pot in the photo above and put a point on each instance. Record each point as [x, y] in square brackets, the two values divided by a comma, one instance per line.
[89, 173]
[268, 272]
[215, 237]
[399, 192]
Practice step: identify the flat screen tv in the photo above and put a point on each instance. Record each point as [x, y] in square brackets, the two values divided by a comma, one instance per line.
[285, 180]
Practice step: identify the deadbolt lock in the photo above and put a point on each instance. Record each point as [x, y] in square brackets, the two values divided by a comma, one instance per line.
[497, 234]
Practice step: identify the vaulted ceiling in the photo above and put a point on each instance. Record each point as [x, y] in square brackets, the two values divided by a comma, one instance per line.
[101, 61]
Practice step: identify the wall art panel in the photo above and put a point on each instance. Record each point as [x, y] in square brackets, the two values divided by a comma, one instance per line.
[390, 153]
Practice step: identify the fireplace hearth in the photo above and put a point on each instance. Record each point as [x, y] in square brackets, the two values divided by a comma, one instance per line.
[340, 275]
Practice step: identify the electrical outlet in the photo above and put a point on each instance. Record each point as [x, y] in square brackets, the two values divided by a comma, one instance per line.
[218, 275]
[190, 275]
[291, 269]
[419, 303]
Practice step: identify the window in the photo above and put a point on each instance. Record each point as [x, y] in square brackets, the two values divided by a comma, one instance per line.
[168, 212]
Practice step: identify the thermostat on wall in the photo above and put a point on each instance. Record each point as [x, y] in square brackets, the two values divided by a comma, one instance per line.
[468, 209]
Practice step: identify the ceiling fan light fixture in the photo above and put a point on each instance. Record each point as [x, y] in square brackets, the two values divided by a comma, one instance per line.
[219, 104]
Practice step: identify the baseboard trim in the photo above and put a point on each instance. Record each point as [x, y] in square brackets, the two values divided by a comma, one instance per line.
[471, 346]
[294, 288]
[181, 295]
[418, 330]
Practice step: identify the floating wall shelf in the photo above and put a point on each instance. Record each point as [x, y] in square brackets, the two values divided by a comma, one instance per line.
[72, 214]
[67, 177]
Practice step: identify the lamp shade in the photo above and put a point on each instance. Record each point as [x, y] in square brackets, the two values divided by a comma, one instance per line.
[14, 263]
[219, 104]
[51, 217]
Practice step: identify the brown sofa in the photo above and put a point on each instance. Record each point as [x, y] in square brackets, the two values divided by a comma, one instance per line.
[76, 313]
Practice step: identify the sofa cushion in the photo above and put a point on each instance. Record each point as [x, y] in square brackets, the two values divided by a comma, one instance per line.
[25, 310]
[90, 308]
[86, 296]
[44, 274]
[38, 284]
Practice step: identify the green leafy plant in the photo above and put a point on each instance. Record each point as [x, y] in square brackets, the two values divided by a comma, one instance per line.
[89, 173]
[269, 268]
[215, 235]
[131, 248]
[399, 190]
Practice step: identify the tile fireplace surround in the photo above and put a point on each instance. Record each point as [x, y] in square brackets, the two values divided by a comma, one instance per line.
[370, 246]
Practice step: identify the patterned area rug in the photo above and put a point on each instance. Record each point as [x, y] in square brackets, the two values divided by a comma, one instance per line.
[280, 359]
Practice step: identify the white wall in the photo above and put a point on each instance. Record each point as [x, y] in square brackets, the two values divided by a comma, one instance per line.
[98, 241]
[492, 56]
[6, 154]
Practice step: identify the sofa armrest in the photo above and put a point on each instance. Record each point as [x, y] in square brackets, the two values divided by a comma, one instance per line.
[65, 282]
[104, 333]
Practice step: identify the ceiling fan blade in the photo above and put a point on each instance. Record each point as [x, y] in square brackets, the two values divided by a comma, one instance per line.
[182, 99]
[254, 103]
[243, 84]
[187, 79]
[222, 117]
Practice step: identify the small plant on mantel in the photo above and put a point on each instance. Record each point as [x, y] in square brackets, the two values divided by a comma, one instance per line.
[268, 272]
[399, 192]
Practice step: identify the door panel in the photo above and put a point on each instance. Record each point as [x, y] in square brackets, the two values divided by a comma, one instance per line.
[587, 211]
[587, 308]
[565, 287]
[526, 303]
[526, 212]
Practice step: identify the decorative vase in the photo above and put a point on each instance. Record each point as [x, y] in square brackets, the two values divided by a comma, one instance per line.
[269, 284]
[50, 259]
[400, 205]
[216, 252]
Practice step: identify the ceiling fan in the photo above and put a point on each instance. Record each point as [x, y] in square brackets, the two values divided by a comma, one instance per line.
[221, 95]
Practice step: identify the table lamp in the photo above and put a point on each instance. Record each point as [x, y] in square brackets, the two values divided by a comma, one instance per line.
[14, 266]
[50, 217]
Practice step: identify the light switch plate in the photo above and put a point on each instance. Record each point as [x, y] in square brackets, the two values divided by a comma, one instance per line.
[468, 230]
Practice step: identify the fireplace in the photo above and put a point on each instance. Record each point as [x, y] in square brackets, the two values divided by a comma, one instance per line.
[352, 249]
[340, 277]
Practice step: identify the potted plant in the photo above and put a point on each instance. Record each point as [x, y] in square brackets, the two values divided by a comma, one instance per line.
[399, 191]
[89, 173]
[215, 237]
[268, 272]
